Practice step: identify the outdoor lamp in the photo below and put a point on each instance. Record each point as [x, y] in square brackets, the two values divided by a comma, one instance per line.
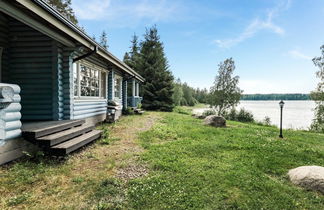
[281, 104]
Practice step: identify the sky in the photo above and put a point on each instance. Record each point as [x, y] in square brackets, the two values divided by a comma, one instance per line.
[271, 41]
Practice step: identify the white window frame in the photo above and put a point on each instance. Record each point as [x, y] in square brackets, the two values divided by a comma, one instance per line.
[100, 71]
[137, 89]
[116, 77]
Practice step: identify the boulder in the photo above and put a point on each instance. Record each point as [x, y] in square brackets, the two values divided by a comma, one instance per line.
[309, 177]
[215, 121]
[201, 116]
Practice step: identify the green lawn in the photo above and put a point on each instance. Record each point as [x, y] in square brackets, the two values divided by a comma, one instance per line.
[243, 166]
[184, 165]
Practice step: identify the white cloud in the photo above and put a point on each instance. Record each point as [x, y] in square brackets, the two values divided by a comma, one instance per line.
[256, 26]
[126, 13]
[299, 55]
[90, 10]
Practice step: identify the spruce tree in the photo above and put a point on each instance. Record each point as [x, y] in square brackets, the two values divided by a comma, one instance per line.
[64, 7]
[104, 40]
[131, 58]
[153, 66]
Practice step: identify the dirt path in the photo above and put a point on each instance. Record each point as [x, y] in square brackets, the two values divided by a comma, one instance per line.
[120, 157]
[72, 182]
[127, 150]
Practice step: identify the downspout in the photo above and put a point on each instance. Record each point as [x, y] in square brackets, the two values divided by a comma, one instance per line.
[86, 55]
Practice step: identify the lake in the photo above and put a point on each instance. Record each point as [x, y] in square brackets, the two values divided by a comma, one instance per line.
[296, 114]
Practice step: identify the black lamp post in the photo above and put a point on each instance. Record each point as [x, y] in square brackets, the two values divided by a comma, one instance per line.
[281, 104]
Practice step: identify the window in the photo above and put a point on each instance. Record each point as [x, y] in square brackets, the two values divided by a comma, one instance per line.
[89, 81]
[103, 86]
[118, 87]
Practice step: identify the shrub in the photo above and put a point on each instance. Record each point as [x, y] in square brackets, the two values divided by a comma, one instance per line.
[209, 112]
[231, 115]
[128, 111]
[267, 120]
[181, 110]
[245, 116]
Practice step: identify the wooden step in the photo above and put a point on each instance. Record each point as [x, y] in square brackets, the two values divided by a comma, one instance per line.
[44, 129]
[59, 137]
[75, 143]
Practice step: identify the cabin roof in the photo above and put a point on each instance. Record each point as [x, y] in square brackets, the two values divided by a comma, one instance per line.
[52, 16]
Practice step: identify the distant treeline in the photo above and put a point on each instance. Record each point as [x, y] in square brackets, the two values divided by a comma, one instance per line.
[295, 96]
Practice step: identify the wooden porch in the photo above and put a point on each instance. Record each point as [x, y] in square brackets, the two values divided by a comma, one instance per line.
[60, 137]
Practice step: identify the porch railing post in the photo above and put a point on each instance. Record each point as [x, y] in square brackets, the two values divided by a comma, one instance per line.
[124, 94]
[111, 85]
[133, 92]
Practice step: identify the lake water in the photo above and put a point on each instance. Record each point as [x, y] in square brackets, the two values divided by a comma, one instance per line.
[296, 114]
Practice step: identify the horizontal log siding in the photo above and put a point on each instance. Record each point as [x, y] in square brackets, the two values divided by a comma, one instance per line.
[10, 125]
[33, 65]
[84, 109]
[92, 107]
[67, 83]
[57, 76]
[4, 42]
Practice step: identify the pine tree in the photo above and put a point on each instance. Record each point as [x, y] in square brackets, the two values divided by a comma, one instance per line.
[104, 40]
[131, 58]
[64, 7]
[153, 66]
[126, 59]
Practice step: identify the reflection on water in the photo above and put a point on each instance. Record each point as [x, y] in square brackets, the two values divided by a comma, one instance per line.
[296, 114]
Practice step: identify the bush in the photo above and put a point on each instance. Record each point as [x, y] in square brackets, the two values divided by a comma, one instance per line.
[181, 110]
[232, 115]
[267, 120]
[128, 111]
[208, 112]
[241, 116]
[245, 116]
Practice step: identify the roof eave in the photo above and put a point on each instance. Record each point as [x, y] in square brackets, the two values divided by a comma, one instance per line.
[83, 38]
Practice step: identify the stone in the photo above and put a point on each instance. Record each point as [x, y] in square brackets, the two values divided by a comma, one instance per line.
[309, 177]
[215, 121]
[201, 116]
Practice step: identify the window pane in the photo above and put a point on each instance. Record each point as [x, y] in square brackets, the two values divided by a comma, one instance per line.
[92, 91]
[118, 88]
[103, 84]
[88, 72]
[90, 83]
[75, 79]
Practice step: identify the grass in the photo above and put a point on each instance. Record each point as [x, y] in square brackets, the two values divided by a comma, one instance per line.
[243, 166]
[83, 180]
[188, 109]
[191, 166]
